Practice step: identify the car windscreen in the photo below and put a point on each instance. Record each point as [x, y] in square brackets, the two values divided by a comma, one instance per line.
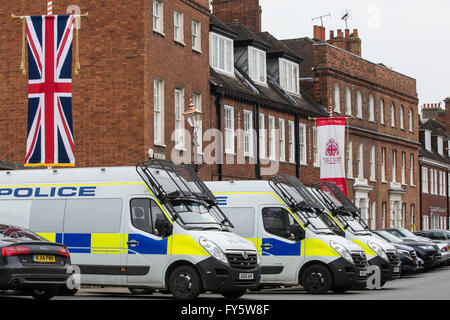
[389, 236]
[20, 234]
[194, 212]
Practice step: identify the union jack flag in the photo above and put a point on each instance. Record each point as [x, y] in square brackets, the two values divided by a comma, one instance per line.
[50, 130]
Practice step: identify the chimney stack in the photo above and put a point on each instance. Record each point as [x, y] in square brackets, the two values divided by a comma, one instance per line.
[246, 12]
[350, 42]
[319, 33]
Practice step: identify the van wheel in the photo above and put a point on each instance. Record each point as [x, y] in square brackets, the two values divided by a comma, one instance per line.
[142, 290]
[233, 294]
[317, 279]
[340, 289]
[185, 283]
[43, 294]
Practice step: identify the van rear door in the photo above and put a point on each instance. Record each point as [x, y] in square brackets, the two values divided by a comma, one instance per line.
[148, 249]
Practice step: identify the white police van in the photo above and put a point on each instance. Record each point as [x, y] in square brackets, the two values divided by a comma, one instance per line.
[296, 247]
[154, 226]
[346, 221]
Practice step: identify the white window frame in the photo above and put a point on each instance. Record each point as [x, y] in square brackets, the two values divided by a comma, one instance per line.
[361, 161]
[440, 145]
[402, 118]
[394, 166]
[411, 170]
[303, 147]
[289, 76]
[424, 180]
[348, 102]
[178, 26]
[228, 128]
[248, 133]
[337, 98]
[158, 112]
[383, 215]
[381, 111]
[371, 108]
[158, 16]
[435, 182]
[257, 65]
[392, 115]
[373, 215]
[291, 142]
[428, 140]
[350, 160]
[372, 160]
[179, 118]
[316, 160]
[431, 181]
[383, 165]
[271, 138]
[282, 139]
[359, 105]
[217, 58]
[262, 137]
[403, 168]
[410, 120]
[196, 35]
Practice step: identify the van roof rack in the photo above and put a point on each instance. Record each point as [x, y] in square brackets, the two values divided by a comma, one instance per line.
[340, 203]
[294, 193]
[169, 181]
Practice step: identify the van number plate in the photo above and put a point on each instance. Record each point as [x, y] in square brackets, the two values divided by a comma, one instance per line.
[396, 269]
[245, 276]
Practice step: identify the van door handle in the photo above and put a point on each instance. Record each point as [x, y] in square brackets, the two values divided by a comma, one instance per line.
[133, 243]
[267, 246]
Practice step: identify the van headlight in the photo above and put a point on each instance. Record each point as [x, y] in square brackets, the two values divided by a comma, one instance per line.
[378, 250]
[341, 250]
[213, 249]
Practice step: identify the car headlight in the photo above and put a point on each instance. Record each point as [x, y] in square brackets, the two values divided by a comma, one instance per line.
[426, 247]
[341, 250]
[258, 258]
[378, 250]
[213, 249]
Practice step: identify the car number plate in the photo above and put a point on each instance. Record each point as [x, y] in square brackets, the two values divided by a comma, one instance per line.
[245, 276]
[397, 269]
[363, 273]
[45, 259]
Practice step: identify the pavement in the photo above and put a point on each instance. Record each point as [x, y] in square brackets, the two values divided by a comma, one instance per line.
[434, 285]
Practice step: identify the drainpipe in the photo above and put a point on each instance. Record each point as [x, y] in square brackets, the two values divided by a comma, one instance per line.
[256, 110]
[297, 146]
[219, 107]
[421, 194]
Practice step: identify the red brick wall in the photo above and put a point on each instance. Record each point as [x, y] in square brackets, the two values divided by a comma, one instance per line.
[113, 96]
[247, 12]
[429, 200]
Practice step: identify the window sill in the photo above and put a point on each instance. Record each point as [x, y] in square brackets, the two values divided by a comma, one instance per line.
[230, 74]
[180, 148]
[373, 180]
[160, 33]
[229, 153]
[181, 43]
[197, 50]
[350, 178]
[384, 182]
[159, 144]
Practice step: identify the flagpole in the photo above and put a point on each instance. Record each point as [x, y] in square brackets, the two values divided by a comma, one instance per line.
[50, 8]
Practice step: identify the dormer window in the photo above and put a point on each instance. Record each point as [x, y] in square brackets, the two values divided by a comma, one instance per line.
[440, 145]
[257, 65]
[289, 76]
[428, 140]
[221, 53]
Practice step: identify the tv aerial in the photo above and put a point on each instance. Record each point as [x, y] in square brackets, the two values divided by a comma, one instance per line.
[346, 16]
[321, 18]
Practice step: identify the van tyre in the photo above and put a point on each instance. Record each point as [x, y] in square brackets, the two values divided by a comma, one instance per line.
[317, 279]
[43, 294]
[66, 292]
[138, 291]
[185, 283]
[234, 294]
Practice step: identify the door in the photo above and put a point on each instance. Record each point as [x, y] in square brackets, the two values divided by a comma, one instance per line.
[147, 254]
[279, 241]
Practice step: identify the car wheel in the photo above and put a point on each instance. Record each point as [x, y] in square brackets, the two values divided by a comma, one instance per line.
[234, 294]
[164, 291]
[185, 283]
[43, 294]
[317, 279]
[142, 290]
[340, 289]
[66, 292]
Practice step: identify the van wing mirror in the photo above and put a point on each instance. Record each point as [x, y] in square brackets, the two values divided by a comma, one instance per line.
[164, 228]
[298, 232]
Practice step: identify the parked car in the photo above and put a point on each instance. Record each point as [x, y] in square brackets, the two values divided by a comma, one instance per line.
[407, 254]
[31, 264]
[436, 235]
[406, 234]
[426, 251]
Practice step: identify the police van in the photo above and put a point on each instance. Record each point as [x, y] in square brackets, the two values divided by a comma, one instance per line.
[347, 222]
[154, 226]
[296, 247]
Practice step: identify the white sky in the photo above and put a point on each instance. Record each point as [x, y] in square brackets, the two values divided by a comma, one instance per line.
[409, 36]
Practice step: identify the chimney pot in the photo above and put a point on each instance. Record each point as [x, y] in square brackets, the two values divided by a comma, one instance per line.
[347, 33]
[355, 33]
[340, 34]
[331, 34]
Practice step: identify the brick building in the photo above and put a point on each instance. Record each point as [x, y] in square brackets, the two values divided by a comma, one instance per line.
[383, 139]
[434, 162]
[141, 63]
